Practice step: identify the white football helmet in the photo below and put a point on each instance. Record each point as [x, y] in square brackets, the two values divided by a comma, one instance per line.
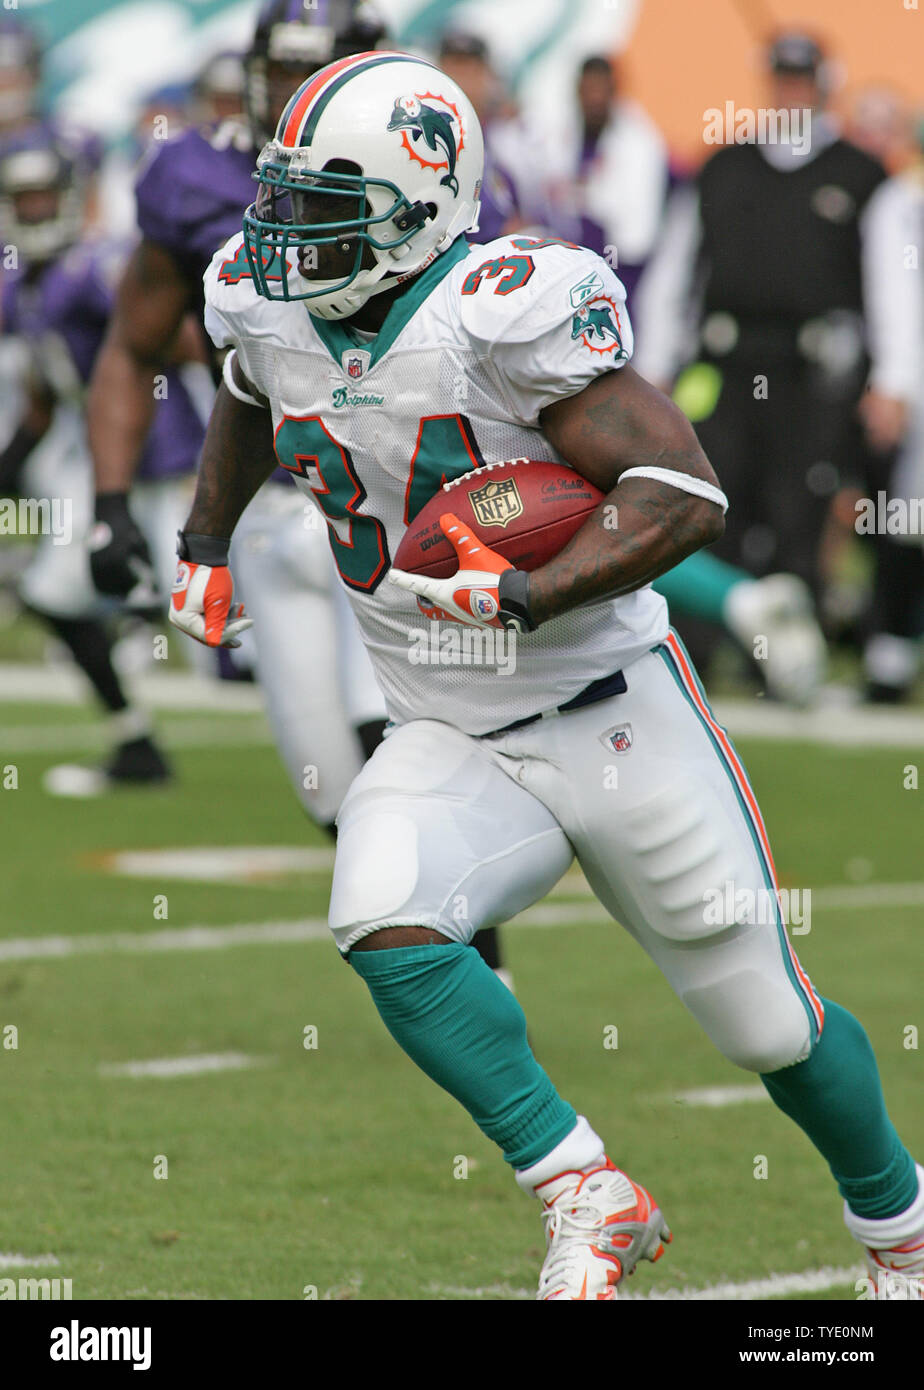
[374, 171]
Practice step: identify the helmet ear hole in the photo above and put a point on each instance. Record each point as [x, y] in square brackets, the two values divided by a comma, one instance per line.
[341, 166]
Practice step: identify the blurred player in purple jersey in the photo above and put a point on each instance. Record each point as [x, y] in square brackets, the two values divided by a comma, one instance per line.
[55, 303]
[464, 57]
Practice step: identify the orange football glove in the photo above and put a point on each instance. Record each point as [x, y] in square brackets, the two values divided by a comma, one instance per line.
[471, 595]
[201, 605]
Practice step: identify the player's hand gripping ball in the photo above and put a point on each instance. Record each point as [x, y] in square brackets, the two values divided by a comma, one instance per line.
[470, 595]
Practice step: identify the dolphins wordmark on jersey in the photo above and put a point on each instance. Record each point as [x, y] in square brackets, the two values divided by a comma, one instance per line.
[484, 338]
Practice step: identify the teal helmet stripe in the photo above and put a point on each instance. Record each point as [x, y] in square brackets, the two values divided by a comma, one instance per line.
[319, 106]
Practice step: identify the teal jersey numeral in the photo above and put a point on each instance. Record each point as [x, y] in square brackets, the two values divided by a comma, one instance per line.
[304, 447]
[446, 448]
[237, 268]
[513, 273]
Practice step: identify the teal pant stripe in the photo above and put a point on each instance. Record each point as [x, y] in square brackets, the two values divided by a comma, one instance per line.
[667, 656]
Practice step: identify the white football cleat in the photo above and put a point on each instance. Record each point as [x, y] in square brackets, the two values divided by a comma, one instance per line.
[894, 1249]
[779, 609]
[598, 1225]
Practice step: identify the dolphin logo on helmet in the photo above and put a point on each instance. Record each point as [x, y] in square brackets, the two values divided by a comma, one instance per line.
[432, 126]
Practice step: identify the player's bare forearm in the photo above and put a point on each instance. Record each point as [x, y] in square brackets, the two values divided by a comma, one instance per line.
[237, 457]
[644, 527]
[150, 306]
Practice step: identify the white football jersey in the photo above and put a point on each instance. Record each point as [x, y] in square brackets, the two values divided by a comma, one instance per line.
[484, 339]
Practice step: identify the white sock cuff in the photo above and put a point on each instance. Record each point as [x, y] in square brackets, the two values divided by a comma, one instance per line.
[129, 724]
[893, 1230]
[582, 1148]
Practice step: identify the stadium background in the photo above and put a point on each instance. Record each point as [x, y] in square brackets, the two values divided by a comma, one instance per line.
[104, 55]
[282, 1156]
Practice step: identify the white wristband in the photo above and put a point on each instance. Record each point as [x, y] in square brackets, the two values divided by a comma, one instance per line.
[227, 377]
[683, 481]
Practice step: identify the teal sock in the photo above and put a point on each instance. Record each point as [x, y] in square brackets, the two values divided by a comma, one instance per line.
[453, 1017]
[699, 585]
[835, 1096]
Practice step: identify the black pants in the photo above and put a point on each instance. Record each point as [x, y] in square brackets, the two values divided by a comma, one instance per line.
[780, 459]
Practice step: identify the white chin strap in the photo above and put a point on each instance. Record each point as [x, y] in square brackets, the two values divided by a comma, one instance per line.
[341, 304]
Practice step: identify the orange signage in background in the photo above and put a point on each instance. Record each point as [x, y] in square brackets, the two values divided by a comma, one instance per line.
[686, 56]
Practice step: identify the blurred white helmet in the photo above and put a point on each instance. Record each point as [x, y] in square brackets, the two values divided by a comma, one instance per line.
[374, 171]
[42, 193]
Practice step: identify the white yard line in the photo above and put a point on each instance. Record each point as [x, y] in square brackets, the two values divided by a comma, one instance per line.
[860, 726]
[167, 1067]
[93, 738]
[857, 726]
[210, 938]
[170, 939]
[714, 1097]
[64, 685]
[221, 863]
[8, 1261]
[774, 1286]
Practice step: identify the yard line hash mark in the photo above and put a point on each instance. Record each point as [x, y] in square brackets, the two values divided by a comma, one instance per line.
[168, 1067]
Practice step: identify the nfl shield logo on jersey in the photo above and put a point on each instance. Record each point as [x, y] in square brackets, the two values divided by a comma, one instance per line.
[619, 739]
[355, 363]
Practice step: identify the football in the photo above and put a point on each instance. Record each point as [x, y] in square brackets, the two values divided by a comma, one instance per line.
[524, 509]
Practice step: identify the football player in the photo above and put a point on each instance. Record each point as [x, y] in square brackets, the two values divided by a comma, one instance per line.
[485, 789]
[54, 307]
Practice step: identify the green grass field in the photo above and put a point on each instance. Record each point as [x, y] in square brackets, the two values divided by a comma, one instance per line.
[334, 1167]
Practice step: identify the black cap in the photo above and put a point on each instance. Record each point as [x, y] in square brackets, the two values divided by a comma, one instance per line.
[795, 53]
[457, 44]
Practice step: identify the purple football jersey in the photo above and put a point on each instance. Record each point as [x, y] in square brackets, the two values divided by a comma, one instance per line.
[498, 202]
[192, 194]
[69, 301]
